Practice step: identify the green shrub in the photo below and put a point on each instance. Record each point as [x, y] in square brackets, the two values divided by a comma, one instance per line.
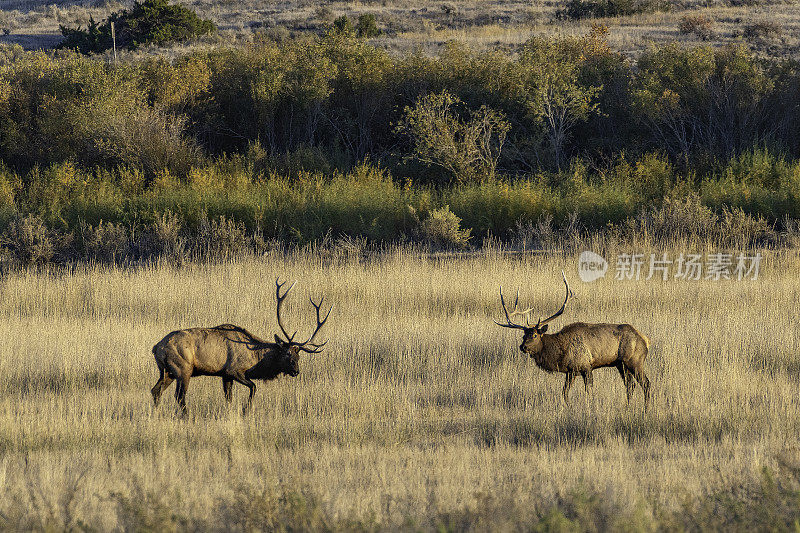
[650, 177]
[367, 26]
[364, 202]
[148, 22]
[8, 183]
[148, 138]
[704, 100]
[495, 206]
[554, 93]
[69, 107]
[343, 26]
[580, 9]
[441, 229]
[95, 38]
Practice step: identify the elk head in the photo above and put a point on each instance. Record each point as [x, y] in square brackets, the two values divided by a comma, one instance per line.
[288, 352]
[532, 334]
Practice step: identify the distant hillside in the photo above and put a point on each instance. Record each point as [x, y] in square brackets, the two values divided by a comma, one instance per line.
[768, 28]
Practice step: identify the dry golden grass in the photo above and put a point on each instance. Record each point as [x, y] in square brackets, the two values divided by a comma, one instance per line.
[419, 406]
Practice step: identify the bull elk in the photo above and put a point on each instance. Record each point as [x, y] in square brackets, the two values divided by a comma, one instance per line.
[579, 348]
[232, 353]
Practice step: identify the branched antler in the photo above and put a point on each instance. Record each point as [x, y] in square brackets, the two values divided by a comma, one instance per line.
[509, 323]
[316, 348]
[278, 286]
[308, 346]
[563, 306]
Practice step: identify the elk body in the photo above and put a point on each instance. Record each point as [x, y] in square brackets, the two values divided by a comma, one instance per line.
[232, 353]
[580, 348]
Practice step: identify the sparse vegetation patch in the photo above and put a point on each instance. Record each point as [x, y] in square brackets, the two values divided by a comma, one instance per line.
[698, 25]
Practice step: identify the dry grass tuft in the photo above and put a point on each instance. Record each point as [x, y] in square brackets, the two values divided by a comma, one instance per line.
[698, 25]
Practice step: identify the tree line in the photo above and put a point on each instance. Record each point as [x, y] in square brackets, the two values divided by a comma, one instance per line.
[330, 102]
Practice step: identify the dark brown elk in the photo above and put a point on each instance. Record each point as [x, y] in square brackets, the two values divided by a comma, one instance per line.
[232, 353]
[579, 348]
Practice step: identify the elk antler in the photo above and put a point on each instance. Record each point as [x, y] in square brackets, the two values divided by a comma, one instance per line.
[563, 306]
[278, 286]
[316, 348]
[509, 323]
[312, 347]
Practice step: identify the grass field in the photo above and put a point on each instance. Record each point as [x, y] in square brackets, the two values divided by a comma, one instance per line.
[421, 413]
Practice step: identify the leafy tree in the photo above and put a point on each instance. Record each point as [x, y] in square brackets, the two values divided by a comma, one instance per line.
[467, 149]
[553, 91]
[702, 98]
[361, 92]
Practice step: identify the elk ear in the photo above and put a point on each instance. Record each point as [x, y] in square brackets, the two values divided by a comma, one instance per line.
[543, 329]
[278, 340]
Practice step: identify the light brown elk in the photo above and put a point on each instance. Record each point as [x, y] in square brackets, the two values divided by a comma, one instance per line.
[579, 348]
[232, 353]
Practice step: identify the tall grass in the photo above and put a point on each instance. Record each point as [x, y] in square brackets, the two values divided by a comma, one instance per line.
[420, 413]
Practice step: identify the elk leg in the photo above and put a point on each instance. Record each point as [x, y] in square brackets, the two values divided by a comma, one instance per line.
[227, 388]
[588, 381]
[180, 393]
[627, 379]
[645, 383]
[164, 381]
[250, 385]
[567, 385]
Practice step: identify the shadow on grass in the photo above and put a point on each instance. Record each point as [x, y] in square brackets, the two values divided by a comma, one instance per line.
[633, 428]
[53, 382]
[769, 504]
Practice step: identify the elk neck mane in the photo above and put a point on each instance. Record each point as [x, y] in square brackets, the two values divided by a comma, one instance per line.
[258, 343]
[549, 358]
